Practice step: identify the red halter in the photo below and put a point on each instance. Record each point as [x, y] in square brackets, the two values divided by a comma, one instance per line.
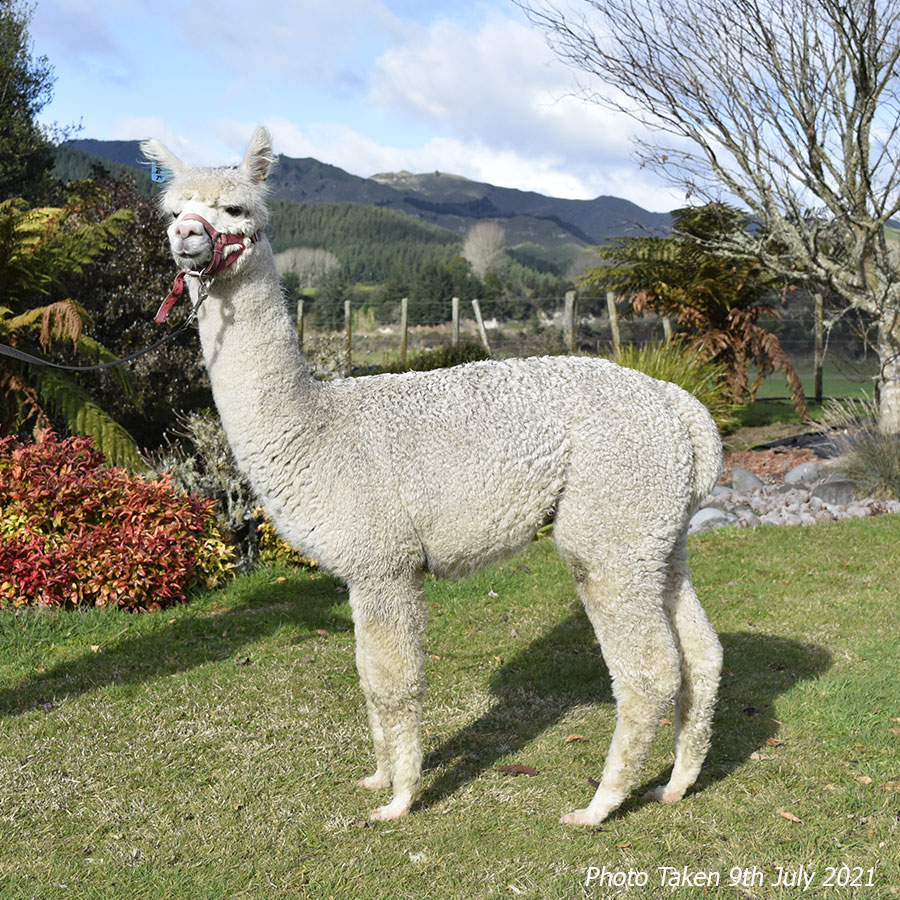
[219, 261]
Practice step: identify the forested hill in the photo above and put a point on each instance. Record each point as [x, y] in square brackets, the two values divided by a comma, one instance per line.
[550, 226]
[370, 242]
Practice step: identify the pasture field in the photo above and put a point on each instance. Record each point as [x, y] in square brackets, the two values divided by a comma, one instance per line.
[838, 380]
[210, 751]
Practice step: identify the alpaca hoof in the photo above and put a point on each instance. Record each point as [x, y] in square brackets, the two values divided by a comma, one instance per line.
[602, 804]
[582, 817]
[664, 794]
[396, 809]
[376, 782]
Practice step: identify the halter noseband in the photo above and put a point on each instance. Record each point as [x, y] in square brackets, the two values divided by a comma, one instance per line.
[219, 261]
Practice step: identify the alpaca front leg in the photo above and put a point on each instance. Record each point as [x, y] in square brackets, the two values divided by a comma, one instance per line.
[381, 778]
[401, 725]
[389, 627]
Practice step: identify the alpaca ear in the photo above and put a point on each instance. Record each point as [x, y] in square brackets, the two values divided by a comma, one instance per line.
[258, 159]
[155, 152]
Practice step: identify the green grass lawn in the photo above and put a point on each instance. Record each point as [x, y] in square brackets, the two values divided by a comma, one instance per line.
[838, 380]
[210, 752]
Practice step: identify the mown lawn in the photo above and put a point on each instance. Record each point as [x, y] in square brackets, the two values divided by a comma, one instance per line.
[210, 752]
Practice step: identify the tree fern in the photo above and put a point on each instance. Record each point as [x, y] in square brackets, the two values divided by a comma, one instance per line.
[82, 415]
[716, 301]
[39, 249]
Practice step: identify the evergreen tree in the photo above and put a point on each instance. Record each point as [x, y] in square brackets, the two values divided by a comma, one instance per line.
[466, 284]
[431, 295]
[715, 299]
[40, 249]
[26, 87]
[328, 309]
[395, 288]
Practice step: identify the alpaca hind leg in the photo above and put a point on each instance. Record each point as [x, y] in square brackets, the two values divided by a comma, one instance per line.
[389, 625]
[701, 665]
[640, 653]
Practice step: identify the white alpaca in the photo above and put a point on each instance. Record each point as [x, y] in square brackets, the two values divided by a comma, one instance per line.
[388, 477]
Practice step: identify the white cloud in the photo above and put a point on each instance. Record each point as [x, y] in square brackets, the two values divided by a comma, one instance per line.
[317, 41]
[475, 159]
[367, 85]
[185, 148]
[84, 34]
[510, 113]
[500, 84]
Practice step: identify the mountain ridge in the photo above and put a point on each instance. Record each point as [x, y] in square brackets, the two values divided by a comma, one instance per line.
[560, 230]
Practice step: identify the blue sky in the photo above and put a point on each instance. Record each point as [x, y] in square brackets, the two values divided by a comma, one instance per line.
[467, 87]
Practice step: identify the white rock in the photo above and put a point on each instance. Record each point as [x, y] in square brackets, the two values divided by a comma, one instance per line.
[744, 480]
[708, 518]
[804, 473]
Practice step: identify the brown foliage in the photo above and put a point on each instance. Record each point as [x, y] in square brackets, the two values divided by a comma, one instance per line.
[717, 301]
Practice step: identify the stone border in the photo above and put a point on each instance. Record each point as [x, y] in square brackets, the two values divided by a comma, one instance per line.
[809, 493]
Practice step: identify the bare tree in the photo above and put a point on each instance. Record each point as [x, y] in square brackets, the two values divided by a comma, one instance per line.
[790, 108]
[309, 264]
[484, 245]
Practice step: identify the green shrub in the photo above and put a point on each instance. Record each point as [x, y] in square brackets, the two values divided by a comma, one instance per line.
[689, 369]
[76, 533]
[203, 466]
[873, 465]
[274, 549]
[867, 457]
[440, 358]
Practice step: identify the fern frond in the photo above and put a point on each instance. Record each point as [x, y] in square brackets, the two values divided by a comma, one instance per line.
[15, 323]
[83, 416]
[60, 320]
[20, 402]
[92, 351]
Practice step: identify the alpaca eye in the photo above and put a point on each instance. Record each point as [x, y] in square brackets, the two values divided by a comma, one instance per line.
[234, 211]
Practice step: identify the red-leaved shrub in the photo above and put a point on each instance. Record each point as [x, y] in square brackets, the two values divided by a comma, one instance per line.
[74, 532]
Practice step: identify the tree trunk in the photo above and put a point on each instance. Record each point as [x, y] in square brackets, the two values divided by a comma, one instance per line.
[888, 381]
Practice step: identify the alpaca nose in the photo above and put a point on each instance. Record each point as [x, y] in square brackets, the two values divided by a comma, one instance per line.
[186, 229]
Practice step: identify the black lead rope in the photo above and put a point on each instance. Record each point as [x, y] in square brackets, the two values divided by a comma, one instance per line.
[37, 361]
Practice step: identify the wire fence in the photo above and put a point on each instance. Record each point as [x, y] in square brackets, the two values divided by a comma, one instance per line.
[365, 337]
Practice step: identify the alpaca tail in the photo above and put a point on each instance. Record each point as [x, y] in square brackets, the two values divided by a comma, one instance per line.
[704, 436]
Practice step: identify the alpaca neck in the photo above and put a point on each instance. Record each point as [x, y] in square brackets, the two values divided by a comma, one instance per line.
[256, 369]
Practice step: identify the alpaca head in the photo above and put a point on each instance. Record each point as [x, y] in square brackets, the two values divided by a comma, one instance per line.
[232, 200]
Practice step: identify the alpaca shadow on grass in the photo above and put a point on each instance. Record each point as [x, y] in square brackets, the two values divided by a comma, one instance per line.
[178, 643]
[532, 691]
[564, 669]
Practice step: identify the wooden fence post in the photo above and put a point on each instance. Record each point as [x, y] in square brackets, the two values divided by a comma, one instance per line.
[300, 322]
[476, 307]
[569, 323]
[404, 329]
[348, 339]
[454, 333]
[820, 345]
[613, 320]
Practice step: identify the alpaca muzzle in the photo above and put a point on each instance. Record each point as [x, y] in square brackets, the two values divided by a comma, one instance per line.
[220, 260]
